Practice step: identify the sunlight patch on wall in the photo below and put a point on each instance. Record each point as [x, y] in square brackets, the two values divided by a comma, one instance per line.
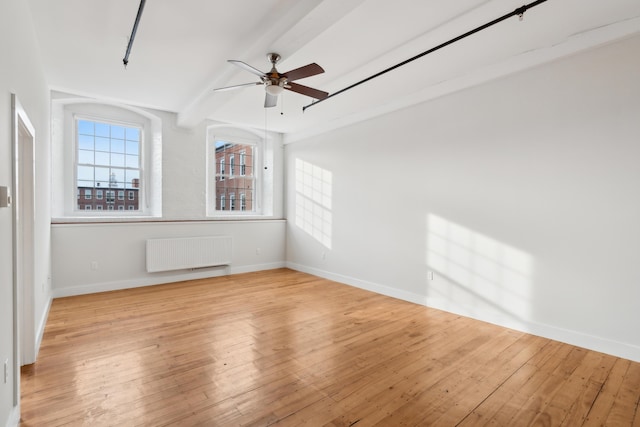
[313, 201]
[482, 273]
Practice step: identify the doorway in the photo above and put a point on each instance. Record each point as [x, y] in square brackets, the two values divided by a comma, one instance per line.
[23, 242]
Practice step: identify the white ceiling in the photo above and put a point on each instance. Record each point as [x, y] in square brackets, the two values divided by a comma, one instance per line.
[181, 49]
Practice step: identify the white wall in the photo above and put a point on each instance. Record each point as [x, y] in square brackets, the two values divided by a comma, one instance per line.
[119, 247]
[521, 195]
[118, 251]
[21, 73]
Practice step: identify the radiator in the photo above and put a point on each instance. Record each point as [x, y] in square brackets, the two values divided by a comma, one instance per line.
[188, 252]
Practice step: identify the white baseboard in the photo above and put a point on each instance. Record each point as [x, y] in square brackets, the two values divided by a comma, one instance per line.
[162, 278]
[619, 349]
[14, 417]
[41, 325]
[362, 284]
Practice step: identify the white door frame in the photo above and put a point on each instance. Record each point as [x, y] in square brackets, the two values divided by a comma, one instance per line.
[23, 134]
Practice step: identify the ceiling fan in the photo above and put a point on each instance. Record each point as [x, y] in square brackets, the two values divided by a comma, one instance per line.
[275, 82]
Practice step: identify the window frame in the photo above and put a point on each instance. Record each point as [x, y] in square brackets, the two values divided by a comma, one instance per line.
[267, 158]
[65, 111]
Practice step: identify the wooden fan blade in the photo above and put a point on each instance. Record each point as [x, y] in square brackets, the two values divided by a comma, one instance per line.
[306, 90]
[247, 67]
[302, 72]
[270, 100]
[222, 89]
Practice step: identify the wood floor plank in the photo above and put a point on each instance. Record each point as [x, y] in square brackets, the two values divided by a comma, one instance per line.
[286, 348]
[608, 394]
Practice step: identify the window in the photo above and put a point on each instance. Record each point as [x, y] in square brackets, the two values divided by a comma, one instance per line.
[87, 193]
[243, 163]
[222, 172]
[130, 195]
[257, 172]
[99, 194]
[226, 184]
[131, 207]
[87, 208]
[99, 207]
[91, 142]
[110, 207]
[121, 207]
[108, 156]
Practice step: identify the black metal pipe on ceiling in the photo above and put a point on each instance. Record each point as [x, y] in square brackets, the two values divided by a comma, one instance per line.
[517, 12]
[125, 61]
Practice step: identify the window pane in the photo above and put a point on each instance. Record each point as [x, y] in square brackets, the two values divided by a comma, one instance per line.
[133, 162]
[85, 127]
[117, 132]
[85, 156]
[117, 146]
[133, 147]
[102, 129]
[102, 144]
[102, 158]
[132, 178]
[85, 142]
[85, 173]
[133, 134]
[116, 179]
[117, 160]
[102, 175]
[234, 182]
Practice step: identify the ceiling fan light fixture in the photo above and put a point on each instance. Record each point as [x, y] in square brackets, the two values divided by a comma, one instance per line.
[274, 90]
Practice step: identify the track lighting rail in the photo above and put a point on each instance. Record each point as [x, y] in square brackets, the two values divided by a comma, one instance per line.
[517, 12]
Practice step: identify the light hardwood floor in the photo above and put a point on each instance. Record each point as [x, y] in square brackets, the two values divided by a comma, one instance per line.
[286, 348]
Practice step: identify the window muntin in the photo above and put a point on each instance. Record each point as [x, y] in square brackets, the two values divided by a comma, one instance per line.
[107, 158]
[227, 183]
[223, 172]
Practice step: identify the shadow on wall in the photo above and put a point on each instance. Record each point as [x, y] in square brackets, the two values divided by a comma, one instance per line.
[481, 277]
[313, 201]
